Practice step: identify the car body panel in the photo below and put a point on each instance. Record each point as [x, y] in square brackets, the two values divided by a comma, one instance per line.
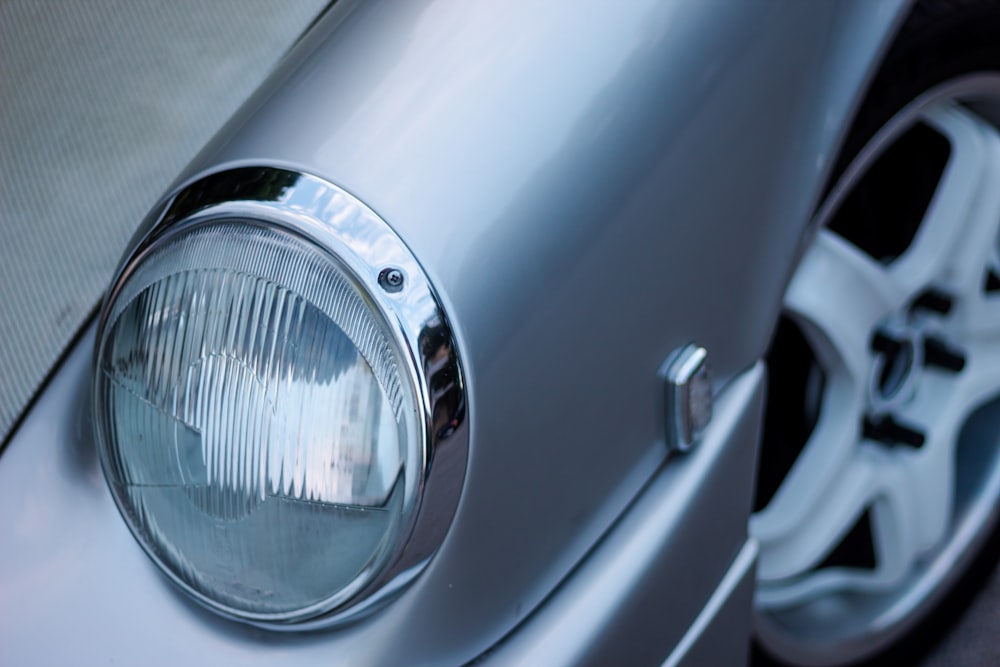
[589, 186]
[641, 580]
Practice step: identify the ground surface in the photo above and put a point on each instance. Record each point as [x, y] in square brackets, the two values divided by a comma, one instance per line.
[975, 639]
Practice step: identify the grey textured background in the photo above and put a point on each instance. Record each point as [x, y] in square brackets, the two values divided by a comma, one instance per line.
[102, 102]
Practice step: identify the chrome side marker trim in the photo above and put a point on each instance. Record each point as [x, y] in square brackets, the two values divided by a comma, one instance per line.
[688, 396]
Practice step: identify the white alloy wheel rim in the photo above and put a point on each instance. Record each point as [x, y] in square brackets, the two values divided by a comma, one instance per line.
[910, 350]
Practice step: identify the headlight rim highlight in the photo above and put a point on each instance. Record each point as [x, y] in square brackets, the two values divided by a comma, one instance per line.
[364, 246]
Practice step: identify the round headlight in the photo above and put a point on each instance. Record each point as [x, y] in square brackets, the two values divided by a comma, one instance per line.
[265, 414]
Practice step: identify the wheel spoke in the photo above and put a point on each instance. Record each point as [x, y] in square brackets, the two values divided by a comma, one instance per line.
[980, 380]
[956, 240]
[838, 295]
[940, 407]
[791, 552]
[825, 460]
[937, 412]
[875, 480]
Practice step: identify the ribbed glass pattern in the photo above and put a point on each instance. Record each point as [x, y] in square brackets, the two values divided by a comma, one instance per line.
[254, 425]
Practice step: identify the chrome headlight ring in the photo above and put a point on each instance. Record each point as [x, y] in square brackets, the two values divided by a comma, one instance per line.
[309, 212]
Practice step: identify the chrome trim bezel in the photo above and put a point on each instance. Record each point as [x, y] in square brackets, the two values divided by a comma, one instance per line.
[365, 245]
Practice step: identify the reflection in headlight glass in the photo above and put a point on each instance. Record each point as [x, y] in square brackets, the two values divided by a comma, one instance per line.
[254, 426]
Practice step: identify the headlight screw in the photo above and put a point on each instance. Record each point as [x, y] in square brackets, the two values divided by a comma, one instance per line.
[391, 279]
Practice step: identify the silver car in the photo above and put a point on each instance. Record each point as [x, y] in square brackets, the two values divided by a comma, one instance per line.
[653, 332]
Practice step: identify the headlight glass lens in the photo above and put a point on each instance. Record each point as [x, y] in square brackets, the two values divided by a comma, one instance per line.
[253, 421]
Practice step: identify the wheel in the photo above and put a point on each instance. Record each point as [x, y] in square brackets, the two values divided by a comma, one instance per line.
[880, 467]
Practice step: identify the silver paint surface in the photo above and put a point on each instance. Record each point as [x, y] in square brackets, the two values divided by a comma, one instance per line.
[657, 571]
